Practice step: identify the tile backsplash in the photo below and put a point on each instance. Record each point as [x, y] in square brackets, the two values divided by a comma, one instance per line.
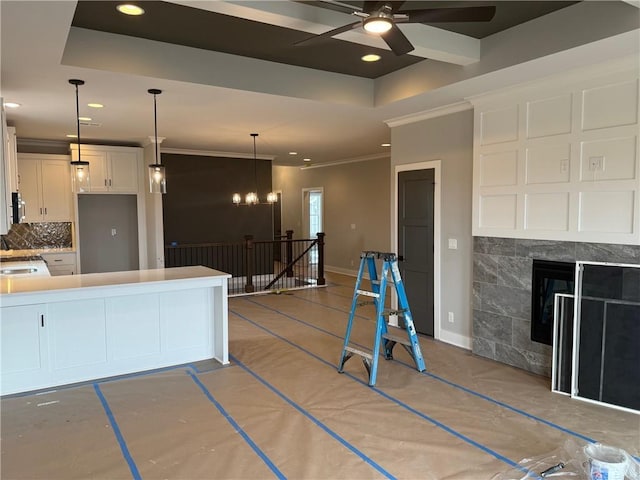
[23, 236]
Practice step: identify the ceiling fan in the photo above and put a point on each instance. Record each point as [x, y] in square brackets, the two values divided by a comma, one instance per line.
[382, 17]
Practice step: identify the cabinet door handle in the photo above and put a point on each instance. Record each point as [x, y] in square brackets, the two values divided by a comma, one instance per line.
[57, 260]
[42, 320]
[40, 210]
[105, 182]
[109, 182]
[45, 210]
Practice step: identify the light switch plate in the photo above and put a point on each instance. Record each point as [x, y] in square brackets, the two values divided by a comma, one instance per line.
[453, 244]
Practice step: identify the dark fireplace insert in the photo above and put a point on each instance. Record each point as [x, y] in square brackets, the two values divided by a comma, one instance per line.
[548, 279]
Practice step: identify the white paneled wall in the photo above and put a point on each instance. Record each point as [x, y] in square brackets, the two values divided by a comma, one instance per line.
[558, 160]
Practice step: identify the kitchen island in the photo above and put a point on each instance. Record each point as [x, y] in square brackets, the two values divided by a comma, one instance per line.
[67, 329]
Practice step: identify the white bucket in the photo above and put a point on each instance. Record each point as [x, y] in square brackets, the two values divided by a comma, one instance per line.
[606, 463]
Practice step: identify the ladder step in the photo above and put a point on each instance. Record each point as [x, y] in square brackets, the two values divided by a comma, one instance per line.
[368, 294]
[393, 335]
[359, 352]
[397, 335]
[394, 312]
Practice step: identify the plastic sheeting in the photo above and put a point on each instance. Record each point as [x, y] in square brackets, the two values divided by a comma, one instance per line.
[281, 410]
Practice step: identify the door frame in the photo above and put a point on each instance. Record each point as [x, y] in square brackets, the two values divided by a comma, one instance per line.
[305, 210]
[436, 166]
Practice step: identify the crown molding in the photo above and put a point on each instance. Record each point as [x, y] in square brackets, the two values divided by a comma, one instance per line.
[427, 114]
[366, 158]
[213, 153]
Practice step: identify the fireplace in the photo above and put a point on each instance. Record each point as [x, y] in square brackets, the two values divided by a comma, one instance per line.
[548, 279]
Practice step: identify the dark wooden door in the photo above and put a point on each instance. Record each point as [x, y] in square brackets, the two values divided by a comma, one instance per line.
[415, 243]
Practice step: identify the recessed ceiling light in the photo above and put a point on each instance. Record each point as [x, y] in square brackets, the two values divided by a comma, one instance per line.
[307, 160]
[385, 145]
[95, 105]
[72, 135]
[11, 105]
[371, 57]
[84, 119]
[130, 9]
[293, 153]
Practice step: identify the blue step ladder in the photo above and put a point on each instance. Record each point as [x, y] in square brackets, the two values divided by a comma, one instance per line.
[386, 335]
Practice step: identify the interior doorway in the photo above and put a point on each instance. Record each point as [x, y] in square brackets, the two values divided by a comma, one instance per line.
[312, 216]
[417, 234]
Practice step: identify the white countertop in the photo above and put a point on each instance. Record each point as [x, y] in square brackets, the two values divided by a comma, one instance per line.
[5, 254]
[36, 284]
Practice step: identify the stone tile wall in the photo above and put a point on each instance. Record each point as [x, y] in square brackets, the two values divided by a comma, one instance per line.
[24, 236]
[502, 270]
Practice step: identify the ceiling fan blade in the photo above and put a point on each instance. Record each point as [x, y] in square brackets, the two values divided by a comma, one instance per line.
[460, 14]
[397, 41]
[329, 34]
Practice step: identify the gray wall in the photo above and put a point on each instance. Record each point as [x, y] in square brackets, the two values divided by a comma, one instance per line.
[100, 251]
[197, 207]
[448, 139]
[354, 193]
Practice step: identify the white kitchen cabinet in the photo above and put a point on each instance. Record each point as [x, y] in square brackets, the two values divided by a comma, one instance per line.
[45, 187]
[60, 263]
[111, 169]
[58, 331]
[77, 332]
[24, 355]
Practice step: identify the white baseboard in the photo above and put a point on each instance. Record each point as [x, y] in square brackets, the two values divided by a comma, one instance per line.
[456, 339]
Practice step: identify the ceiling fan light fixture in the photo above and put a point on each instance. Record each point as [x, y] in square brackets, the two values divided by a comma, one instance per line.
[378, 24]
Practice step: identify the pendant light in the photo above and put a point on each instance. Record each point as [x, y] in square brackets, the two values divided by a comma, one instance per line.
[157, 174]
[80, 181]
[252, 198]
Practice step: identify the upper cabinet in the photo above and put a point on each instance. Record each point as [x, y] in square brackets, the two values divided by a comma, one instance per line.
[45, 187]
[111, 169]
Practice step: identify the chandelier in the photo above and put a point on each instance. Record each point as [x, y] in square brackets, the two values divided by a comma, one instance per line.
[252, 197]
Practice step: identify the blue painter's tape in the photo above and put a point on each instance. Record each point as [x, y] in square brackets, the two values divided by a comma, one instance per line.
[448, 382]
[398, 402]
[116, 430]
[237, 427]
[312, 418]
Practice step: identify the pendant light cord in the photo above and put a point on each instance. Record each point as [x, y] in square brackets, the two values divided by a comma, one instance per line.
[78, 120]
[76, 83]
[255, 162]
[155, 92]
[155, 125]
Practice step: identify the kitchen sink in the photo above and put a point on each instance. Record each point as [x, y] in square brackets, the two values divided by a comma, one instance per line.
[17, 270]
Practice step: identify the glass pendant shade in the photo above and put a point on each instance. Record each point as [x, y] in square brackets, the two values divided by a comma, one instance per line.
[237, 199]
[157, 173]
[80, 180]
[272, 197]
[157, 178]
[252, 198]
